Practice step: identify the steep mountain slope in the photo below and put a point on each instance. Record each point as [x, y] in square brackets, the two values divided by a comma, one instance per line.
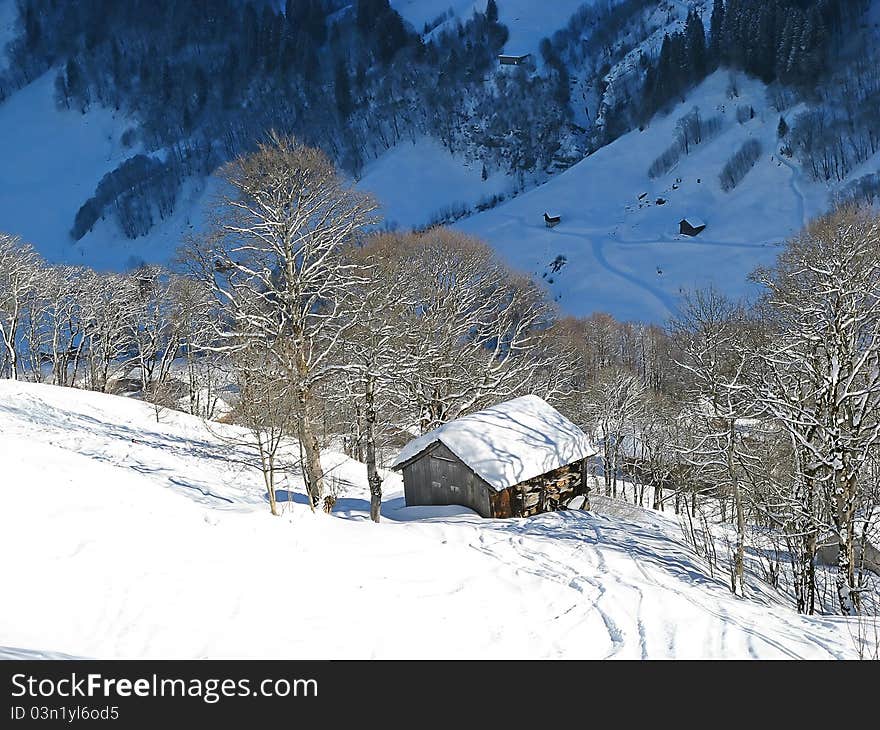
[416, 182]
[614, 251]
[52, 160]
[143, 539]
[622, 253]
[192, 134]
[527, 21]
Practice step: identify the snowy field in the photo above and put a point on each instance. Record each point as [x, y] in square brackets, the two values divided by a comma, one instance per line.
[126, 538]
[527, 21]
[625, 256]
[413, 182]
[52, 161]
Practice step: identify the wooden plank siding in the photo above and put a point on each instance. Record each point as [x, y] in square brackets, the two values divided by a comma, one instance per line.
[437, 477]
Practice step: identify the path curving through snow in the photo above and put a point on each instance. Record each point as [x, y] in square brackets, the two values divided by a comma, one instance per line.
[794, 184]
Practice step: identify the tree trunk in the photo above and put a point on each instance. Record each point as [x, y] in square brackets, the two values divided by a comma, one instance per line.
[12, 357]
[267, 464]
[614, 472]
[844, 566]
[738, 582]
[739, 570]
[313, 472]
[810, 576]
[270, 486]
[373, 478]
[845, 534]
[606, 467]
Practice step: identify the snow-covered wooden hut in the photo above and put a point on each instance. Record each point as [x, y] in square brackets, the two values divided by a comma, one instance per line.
[691, 226]
[513, 59]
[514, 459]
[551, 220]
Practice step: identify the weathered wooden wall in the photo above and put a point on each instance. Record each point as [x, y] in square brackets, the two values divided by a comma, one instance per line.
[438, 477]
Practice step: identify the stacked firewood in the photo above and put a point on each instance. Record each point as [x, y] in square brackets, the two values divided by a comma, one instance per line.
[548, 492]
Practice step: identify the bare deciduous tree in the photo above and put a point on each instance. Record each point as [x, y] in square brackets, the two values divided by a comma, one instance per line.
[711, 330]
[377, 351]
[20, 268]
[480, 327]
[274, 259]
[821, 370]
[616, 400]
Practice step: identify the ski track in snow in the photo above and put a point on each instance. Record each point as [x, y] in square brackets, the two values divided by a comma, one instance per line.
[665, 299]
[621, 602]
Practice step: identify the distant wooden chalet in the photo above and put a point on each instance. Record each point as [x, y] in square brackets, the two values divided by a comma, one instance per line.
[691, 226]
[507, 59]
[514, 459]
[551, 220]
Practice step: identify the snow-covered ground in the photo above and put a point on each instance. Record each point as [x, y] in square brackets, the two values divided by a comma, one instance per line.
[52, 161]
[415, 181]
[128, 538]
[527, 21]
[625, 256]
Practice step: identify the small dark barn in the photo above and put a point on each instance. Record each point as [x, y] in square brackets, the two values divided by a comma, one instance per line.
[507, 59]
[514, 459]
[691, 226]
[551, 220]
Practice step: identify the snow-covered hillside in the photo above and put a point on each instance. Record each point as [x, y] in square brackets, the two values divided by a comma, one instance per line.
[414, 182]
[127, 538]
[52, 161]
[623, 252]
[617, 248]
[527, 21]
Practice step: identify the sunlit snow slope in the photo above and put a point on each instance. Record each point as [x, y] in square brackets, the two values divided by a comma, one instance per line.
[126, 538]
[616, 250]
[52, 159]
[414, 182]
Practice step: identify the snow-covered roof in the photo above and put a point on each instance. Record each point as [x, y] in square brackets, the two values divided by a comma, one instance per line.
[509, 442]
[695, 222]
